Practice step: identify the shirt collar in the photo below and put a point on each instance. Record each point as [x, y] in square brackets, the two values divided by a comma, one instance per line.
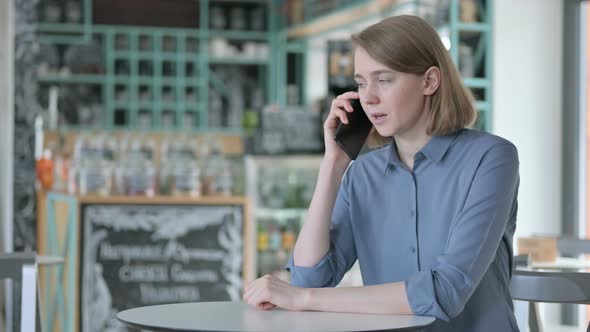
[393, 157]
[434, 150]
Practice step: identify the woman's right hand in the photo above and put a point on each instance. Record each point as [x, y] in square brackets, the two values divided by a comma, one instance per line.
[339, 110]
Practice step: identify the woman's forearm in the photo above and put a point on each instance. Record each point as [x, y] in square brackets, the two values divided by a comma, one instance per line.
[313, 241]
[388, 298]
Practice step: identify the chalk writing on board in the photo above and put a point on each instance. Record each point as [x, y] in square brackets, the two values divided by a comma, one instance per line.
[137, 255]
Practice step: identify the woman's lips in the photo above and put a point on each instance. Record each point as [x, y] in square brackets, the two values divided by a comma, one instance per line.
[378, 118]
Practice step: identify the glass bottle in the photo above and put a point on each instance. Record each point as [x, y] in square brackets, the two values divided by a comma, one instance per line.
[45, 170]
[217, 179]
[288, 237]
[91, 174]
[274, 237]
[262, 238]
[139, 171]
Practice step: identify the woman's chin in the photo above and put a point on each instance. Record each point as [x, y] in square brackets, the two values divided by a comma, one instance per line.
[384, 132]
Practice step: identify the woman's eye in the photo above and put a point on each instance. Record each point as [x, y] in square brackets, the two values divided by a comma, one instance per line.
[384, 81]
[360, 85]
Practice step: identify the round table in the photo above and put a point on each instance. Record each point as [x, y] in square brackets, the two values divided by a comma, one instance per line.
[239, 316]
[546, 285]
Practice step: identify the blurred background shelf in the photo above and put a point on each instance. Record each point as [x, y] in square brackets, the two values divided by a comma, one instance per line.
[142, 57]
[238, 61]
[280, 213]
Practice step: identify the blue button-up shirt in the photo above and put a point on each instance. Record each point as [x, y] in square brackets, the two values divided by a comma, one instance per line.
[445, 228]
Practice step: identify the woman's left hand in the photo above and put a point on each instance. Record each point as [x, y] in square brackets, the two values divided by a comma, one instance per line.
[269, 291]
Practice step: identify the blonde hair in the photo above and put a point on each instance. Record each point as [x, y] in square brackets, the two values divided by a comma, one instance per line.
[408, 44]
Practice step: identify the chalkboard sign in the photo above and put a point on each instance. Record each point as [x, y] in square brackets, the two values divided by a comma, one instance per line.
[138, 255]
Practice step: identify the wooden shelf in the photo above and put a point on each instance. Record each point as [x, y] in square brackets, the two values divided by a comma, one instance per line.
[231, 142]
[162, 200]
[158, 199]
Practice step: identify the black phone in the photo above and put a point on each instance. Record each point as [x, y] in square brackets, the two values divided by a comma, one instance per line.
[352, 136]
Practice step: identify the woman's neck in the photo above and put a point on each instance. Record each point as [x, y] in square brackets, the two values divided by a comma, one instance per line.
[413, 139]
[407, 147]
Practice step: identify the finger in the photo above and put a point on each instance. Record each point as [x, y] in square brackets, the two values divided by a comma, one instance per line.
[245, 291]
[343, 104]
[340, 107]
[255, 295]
[267, 306]
[258, 296]
[260, 300]
[341, 115]
[251, 288]
[349, 95]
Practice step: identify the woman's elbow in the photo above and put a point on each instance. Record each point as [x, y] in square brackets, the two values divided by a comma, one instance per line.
[452, 295]
[453, 309]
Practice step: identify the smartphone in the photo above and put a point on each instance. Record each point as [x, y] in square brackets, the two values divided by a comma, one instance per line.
[352, 136]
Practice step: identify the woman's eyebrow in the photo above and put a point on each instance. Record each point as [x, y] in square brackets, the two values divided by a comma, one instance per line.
[375, 73]
[381, 71]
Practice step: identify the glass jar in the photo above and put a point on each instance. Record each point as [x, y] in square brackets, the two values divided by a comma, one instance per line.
[237, 18]
[218, 179]
[92, 178]
[138, 170]
[217, 18]
[186, 180]
[140, 179]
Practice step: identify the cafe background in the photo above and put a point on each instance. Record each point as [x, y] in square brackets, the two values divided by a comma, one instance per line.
[168, 149]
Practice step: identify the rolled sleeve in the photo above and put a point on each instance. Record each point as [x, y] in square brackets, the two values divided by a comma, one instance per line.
[342, 253]
[320, 275]
[443, 290]
[422, 295]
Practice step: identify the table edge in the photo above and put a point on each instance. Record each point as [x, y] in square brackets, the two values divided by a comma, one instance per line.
[168, 329]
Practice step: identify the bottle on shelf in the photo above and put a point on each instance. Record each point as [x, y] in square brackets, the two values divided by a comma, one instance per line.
[218, 179]
[61, 167]
[257, 19]
[274, 237]
[217, 18]
[185, 174]
[167, 160]
[94, 174]
[119, 166]
[139, 171]
[237, 18]
[262, 238]
[73, 11]
[45, 170]
[60, 173]
[288, 236]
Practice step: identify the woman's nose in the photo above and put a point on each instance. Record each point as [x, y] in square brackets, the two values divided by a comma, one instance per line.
[368, 97]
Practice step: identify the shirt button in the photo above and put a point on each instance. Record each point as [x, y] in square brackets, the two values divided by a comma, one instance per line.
[412, 213]
[413, 249]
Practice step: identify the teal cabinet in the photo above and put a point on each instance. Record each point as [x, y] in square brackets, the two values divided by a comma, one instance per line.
[161, 79]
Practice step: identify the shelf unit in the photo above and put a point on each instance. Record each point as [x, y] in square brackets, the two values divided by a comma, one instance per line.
[284, 41]
[69, 33]
[479, 35]
[280, 189]
[163, 76]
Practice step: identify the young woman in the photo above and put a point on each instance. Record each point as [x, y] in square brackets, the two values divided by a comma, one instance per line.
[430, 216]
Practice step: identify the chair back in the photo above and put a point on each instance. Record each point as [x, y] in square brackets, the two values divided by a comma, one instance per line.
[21, 267]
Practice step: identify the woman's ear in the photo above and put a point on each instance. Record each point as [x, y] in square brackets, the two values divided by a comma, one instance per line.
[432, 79]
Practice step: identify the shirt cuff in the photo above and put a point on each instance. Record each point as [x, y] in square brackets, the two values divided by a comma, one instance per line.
[320, 275]
[422, 295]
